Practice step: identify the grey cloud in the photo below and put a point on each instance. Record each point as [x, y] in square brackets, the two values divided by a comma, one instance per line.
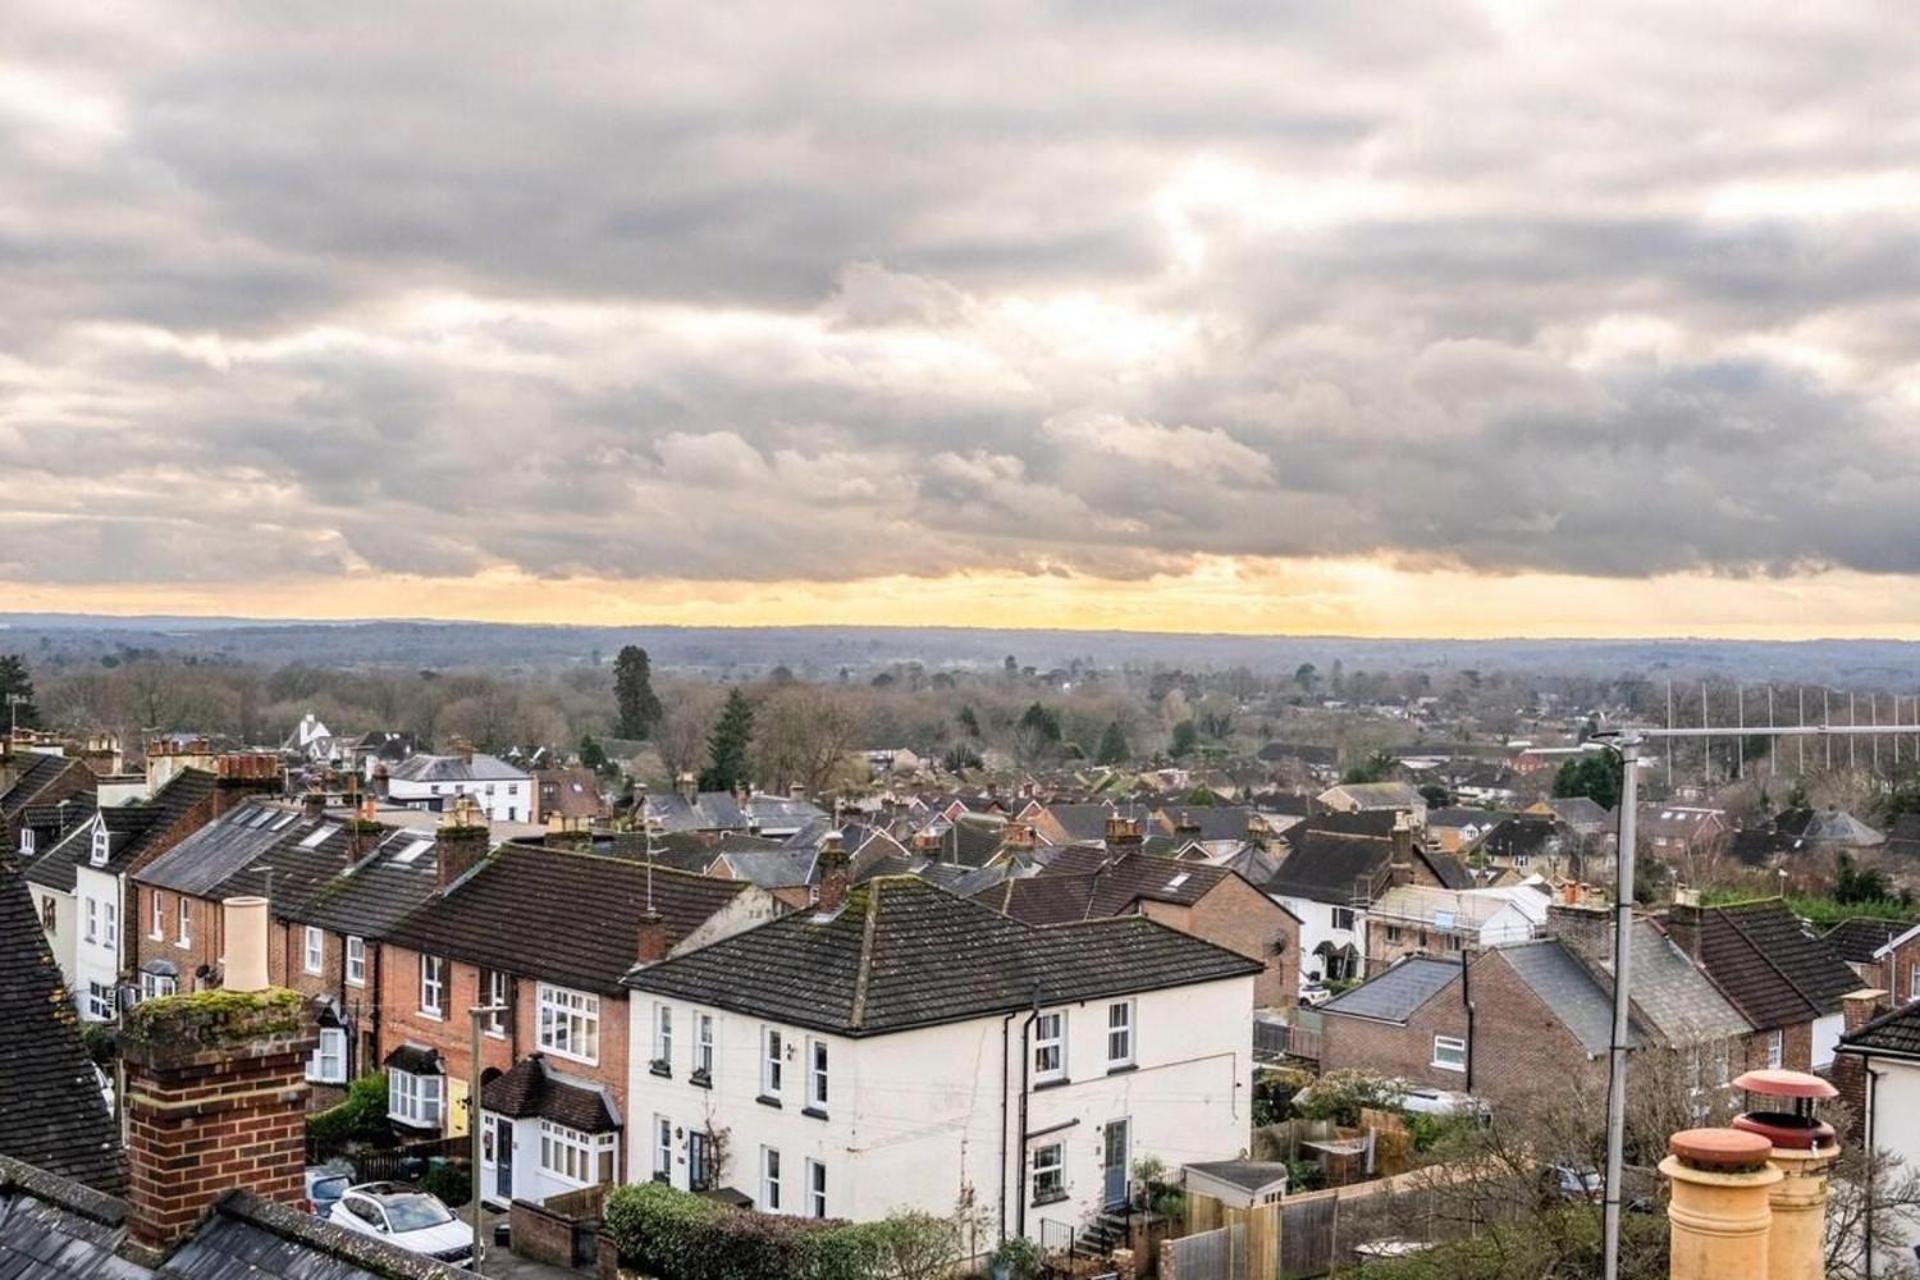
[759, 292]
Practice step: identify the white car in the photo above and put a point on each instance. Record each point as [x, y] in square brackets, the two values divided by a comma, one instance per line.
[1315, 994]
[413, 1220]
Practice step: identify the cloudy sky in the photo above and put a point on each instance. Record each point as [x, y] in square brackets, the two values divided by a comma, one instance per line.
[1436, 318]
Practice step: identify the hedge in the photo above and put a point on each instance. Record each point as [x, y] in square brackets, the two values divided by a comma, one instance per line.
[675, 1235]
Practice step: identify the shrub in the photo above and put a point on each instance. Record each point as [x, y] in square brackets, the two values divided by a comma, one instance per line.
[1340, 1096]
[359, 1117]
[451, 1182]
[1018, 1258]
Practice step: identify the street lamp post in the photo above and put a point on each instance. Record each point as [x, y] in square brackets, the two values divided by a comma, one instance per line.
[478, 1016]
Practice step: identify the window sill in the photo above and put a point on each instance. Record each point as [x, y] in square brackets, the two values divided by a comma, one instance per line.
[659, 1068]
[700, 1080]
[1444, 1066]
[1061, 1082]
[433, 1015]
[813, 1113]
[1053, 1197]
[766, 1101]
[1122, 1068]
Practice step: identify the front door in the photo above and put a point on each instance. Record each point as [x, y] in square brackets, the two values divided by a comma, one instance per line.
[503, 1158]
[1113, 1163]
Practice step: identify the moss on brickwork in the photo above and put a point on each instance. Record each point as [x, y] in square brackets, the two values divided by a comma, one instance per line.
[216, 1015]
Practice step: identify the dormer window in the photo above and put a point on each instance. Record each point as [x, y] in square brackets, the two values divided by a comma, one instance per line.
[100, 843]
[26, 842]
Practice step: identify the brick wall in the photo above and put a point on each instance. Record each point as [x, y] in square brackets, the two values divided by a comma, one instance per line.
[204, 932]
[1898, 979]
[1849, 1073]
[1239, 917]
[402, 1022]
[1796, 1048]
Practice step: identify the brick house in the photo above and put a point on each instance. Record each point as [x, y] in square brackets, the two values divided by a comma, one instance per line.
[1786, 982]
[1214, 903]
[1895, 963]
[1866, 945]
[37, 780]
[547, 933]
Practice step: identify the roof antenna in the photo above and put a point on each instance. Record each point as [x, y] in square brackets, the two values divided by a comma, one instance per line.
[646, 825]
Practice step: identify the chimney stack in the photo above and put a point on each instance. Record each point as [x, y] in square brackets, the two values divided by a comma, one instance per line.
[1684, 920]
[314, 803]
[1720, 1218]
[460, 841]
[216, 1095]
[1400, 863]
[688, 787]
[835, 875]
[462, 748]
[1804, 1149]
[1122, 833]
[1586, 928]
[1019, 835]
[1849, 1074]
[653, 937]
[382, 782]
[238, 775]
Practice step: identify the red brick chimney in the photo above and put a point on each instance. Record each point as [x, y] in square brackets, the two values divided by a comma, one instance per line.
[216, 1094]
[1849, 1074]
[1122, 833]
[382, 782]
[653, 937]
[1400, 863]
[835, 874]
[461, 747]
[314, 803]
[241, 774]
[461, 840]
[1019, 835]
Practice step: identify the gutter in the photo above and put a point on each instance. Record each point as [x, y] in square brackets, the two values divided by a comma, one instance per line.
[1466, 998]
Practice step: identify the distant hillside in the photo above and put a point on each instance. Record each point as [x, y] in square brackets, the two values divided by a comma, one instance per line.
[57, 640]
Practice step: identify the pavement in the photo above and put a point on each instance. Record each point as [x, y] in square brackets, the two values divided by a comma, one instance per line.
[500, 1264]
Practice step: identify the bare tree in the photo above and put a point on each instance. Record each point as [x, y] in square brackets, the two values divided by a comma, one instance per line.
[681, 737]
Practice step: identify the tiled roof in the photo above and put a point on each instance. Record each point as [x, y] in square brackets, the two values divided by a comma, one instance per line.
[481, 768]
[1772, 970]
[1086, 883]
[1524, 834]
[41, 772]
[132, 830]
[51, 1112]
[901, 953]
[1856, 939]
[1896, 1033]
[534, 1088]
[1680, 1002]
[1393, 996]
[568, 917]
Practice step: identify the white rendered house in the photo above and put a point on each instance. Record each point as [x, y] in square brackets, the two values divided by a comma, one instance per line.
[907, 1049]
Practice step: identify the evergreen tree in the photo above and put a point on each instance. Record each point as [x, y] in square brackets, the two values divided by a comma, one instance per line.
[17, 682]
[592, 754]
[1113, 745]
[728, 745]
[970, 722]
[633, 691]
[1041, 721]
[1596, 776]
[1186, 736]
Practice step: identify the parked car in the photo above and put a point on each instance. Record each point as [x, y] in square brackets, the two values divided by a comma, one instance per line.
[326, 1183]
[414, 1220]
[1315, 994]
[1560, 1181]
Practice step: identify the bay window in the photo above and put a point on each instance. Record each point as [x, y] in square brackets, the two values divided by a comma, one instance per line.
[414, 1101]
[576, 1157]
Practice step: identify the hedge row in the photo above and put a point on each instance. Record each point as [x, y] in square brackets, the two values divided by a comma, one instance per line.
[675, 1235]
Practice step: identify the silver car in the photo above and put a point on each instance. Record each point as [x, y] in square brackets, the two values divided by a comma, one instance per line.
[414, 1220]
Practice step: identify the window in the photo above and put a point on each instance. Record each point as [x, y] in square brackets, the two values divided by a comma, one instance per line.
[772, 1065]
[703, 1045]
[1913, 982]
[500, 1002]
[769, 1180]
[1776, 1049]
[1049, 1178]
[1050, 1047]
[817, 1074]
[816, 1189]
[356, 961]
[328, 1065]
[1120, 1033]
[1343, 918]
[663, 1037]
[110, 917]
[184, 936]
[313, 956]
[662, 1149]
[50, 915]
[1722, 1066]
[100, 1001]
[414, 1100]
[159, 927]
[570, 1023]
[699, 1161]
[26, 842]
[153, 985]
[101, 844]
[1450, 1053]
[1393, 933]
[433, 983]
[574, 1156]
[1443, 919]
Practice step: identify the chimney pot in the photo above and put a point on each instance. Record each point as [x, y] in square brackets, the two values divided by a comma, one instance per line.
[246, 924]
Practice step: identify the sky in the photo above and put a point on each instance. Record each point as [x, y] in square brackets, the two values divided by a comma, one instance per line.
[1439, 318]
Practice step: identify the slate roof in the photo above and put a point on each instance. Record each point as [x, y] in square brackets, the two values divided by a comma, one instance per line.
[52, 1228]
[1085, 883]
[1326, 862]
[1582, 813]
[131, 832]
[212, 855]
[1454, 816]
[1523, 834]
[768, 868]
[481, 768]
[1856, 939]
[1393, 996]
[569, 917]
[41, 773]
[901, 953]
[1379, 795]
[534, 1088]
[1209, 822]
[1767, 964]
[1563, 984]
[371, 898]
[1668, 988]
[1082, 821]
[708, 811]
[51, 1112]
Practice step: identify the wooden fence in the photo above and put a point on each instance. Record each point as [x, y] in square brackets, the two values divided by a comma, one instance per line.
[1308, 1225]
[1220, 1254]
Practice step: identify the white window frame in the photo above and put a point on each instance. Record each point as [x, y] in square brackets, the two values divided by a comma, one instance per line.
[770, 1180]
[1049, 1177]
[101, 845]
[1776, 1048]
[663, 1034]
[356, 961]
[328, 1063]
[90, 932]
[155, 985]
[183, 938]
[110, 918]
[816, 1189]
[569, 1023]
[1123, 1031]
[418, 1102]
[1913, 982]
[704, 1049]
[1050, 1047]
[1455, 1050]
[662, 1149]
[772, 1062]
[819, 1072]
[159, 930]
[26, 842]
[1343, 919]
[570, 1156]
[433, 986]
[313, 950]
[498, 1000]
